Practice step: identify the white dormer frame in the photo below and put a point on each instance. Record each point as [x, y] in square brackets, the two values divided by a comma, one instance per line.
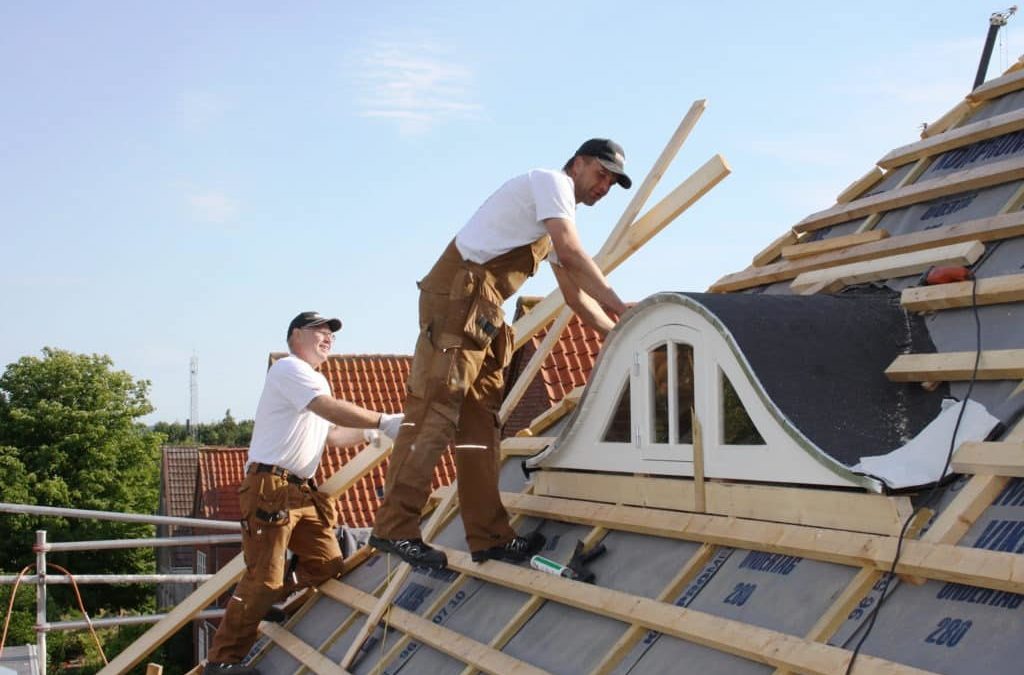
[787, 456]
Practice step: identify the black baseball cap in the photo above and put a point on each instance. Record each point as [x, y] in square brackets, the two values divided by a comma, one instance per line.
[307, 319]
[611, 156]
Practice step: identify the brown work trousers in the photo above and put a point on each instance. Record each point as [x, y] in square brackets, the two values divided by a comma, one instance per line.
[276, 515]
[455, 392]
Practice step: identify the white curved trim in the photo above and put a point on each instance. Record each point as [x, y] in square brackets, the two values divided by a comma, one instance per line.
[788, 456]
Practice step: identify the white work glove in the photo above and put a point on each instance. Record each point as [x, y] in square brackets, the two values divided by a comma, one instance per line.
[371, 436]
[390, 424]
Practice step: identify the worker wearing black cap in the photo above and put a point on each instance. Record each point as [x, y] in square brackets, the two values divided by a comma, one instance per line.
[456, 382]
[280, 505]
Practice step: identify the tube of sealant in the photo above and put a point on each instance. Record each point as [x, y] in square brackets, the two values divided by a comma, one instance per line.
[543, 564]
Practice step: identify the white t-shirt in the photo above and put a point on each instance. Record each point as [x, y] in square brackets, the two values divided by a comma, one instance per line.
[284, 432]
[514, 214]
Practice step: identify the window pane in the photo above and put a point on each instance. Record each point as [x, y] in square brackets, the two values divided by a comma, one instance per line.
[684, 391]
[659, 394]
[620, 428]
[738, 428]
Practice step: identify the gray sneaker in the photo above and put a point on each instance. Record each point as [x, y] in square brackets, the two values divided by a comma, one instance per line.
[229, 669]
[413, 551]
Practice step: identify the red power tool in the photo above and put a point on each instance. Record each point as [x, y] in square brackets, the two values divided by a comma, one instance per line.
[935, 276]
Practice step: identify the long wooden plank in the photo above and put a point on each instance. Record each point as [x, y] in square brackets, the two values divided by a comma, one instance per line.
[524, 446]
[1004, 171]
[855, 511]
[860, 186]
[549, 417]
[772, 251]
[734, 637]
[990, 459]
[303, 651]
[949, 119]
[976, 567]
[699, 183]
[956, 138]
[209, 591]
[674, 587]
[833, 244]
[995, 364]
[442, 639]
[904, 264]
[533, 367]
[990, 291]
[997, 87]
[993, 228]
[653, 177]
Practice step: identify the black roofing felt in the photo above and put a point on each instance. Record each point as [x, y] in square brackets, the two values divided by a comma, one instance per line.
[821, 359]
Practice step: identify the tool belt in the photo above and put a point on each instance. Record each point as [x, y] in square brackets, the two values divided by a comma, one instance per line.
[283, 473]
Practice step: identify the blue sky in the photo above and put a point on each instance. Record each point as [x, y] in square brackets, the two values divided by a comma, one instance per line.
[185, 177]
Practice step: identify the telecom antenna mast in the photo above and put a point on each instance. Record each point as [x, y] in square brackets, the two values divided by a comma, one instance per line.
[194, 397]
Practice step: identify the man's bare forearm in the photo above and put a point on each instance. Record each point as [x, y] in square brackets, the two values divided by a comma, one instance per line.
[588, 276]
[343, 413]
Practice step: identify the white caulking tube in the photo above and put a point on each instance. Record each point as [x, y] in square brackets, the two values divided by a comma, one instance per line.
[542, 564]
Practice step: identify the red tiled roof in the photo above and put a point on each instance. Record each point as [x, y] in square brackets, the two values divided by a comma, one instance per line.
[566, 367]
[373, 381]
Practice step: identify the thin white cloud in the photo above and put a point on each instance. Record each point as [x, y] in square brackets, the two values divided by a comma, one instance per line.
[213, 207]
[417, 85]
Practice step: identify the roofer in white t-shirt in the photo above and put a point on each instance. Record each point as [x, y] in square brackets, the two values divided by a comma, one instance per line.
[456, 384]
[280, 505]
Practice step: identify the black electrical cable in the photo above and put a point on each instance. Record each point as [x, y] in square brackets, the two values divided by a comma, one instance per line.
[933, 492]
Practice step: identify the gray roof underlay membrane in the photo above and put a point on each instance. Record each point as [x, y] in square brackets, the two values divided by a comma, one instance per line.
[889, 181]
[984, 152]
[1003, 104]
[948, 210]
[949, 627]
[783, 593]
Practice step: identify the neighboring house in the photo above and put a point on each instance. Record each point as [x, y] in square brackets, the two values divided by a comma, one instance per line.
[178, 471]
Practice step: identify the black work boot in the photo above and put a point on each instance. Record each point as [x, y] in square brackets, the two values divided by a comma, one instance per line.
[229, 669]
[518, 550]
[413, 551]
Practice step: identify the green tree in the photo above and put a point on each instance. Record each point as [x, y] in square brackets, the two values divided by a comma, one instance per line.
[70, 437]
[227, 432]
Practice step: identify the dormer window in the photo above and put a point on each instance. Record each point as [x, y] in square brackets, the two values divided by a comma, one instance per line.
[737, 427]
[671, 393]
